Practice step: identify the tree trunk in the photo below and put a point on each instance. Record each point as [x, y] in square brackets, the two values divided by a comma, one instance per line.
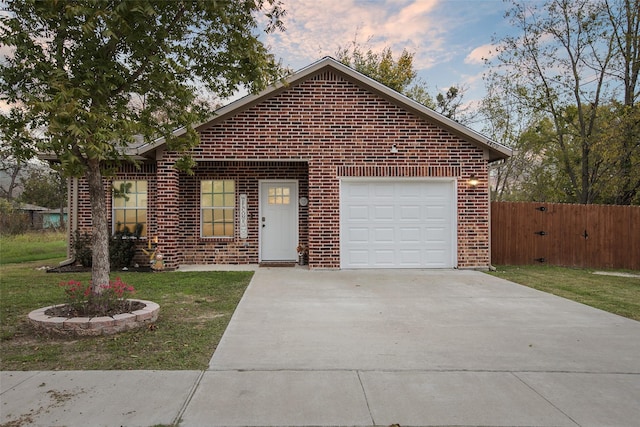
[62, 225]
[585, 189]
[100, 231]
[629, 187]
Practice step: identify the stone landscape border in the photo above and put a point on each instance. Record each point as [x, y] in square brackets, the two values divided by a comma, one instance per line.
[93, 326]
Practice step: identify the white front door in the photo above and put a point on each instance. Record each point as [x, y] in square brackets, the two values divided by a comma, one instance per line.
[278, 220]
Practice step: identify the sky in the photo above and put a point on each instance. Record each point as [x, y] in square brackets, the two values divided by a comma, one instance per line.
[448, 38]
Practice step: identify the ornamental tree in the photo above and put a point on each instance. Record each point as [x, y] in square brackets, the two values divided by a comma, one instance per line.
[91, 75]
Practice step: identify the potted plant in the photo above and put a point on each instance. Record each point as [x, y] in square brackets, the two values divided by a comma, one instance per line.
[303, 254]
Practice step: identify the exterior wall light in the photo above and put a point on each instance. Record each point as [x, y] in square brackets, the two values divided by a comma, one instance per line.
[394, 148]
[473, 181]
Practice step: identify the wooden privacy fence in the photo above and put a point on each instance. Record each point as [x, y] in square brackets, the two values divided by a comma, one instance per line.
[598, 236]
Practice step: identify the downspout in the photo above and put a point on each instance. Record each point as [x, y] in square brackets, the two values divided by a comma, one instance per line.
[491, 266]
[72, 220]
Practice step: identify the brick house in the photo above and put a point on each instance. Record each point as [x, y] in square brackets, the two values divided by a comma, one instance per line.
[329, 161]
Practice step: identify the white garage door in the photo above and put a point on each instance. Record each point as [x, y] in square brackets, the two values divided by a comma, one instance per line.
[397, 224]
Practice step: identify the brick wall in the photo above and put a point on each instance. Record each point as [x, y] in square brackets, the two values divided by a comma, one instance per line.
[315, 132]
[146, 172]
[246, 175]
[339, 127]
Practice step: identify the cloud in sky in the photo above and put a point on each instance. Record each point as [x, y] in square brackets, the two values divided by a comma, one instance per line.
[316, 28]
[447, 37]
[479, 54]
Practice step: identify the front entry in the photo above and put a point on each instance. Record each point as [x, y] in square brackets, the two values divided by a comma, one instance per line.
[278, 220]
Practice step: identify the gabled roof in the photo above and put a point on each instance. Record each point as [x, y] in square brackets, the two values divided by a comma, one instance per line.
[31, 207]
[496, 151]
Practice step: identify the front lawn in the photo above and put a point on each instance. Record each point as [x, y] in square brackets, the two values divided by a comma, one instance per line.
[619, 295]
[195, 309]
[32, 247]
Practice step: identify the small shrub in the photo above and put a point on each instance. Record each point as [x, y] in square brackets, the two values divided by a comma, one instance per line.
[82, 248]
[76, 294]
[122, 246]
[12, 221]
[80, 302]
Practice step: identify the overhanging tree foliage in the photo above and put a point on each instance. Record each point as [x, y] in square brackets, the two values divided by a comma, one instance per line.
[91, 75]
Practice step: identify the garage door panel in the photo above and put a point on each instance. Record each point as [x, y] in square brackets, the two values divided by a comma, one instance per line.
[359, 212]
[437, 234]
[409, 213]
[410, 258]
[383, 213]
[358, 235]
[408, 193]
[435, 258]
[398, 224]
[383, 191]
[437, 212]
[384, 257]
[359, 257]
[357, 190]
[383, 235]
[410, 235]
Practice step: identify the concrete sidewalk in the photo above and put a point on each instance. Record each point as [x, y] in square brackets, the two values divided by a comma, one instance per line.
[334, 348]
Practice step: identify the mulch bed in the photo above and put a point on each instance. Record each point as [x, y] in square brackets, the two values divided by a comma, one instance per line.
[68, 311]
[80, 269]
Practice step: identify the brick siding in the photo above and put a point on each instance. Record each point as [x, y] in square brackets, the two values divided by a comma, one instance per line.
[315, 132]
[246, 175]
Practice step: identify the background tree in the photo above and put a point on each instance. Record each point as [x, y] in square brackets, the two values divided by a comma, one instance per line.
[451, 105]
[93, 75]
[397, 74]
[624, 20]
[10, 169]
[44, 186]
[506, 121]
[400, 75]
[13, 155]
[562, 66]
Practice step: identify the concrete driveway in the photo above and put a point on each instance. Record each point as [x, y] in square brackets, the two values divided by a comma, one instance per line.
[417, 348]
[363, 348]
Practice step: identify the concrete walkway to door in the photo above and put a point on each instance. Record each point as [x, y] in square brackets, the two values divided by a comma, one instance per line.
[416, 348]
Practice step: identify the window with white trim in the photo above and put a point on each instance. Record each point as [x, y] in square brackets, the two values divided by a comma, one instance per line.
[130, 206]
[217, 208]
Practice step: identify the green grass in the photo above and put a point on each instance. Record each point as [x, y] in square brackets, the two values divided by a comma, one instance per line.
[32, 247]
[195, 309]
[619, 295]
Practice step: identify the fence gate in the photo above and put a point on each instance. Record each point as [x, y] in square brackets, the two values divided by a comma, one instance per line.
[599, 236]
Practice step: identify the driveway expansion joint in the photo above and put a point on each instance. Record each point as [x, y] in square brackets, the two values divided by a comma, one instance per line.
[526, 384]
[187, 400]
[366, 399]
